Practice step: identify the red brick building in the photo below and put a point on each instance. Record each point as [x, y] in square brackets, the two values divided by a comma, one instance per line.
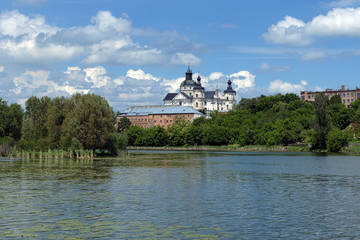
[347, 95]
[149, 116]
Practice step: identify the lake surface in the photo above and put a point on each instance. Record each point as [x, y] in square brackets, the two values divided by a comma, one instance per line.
[182, 195]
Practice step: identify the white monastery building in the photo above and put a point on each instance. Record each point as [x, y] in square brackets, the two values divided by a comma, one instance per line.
[192, 94]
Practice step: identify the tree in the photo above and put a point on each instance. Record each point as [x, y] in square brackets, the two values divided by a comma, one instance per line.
[340, 115]
[123, 124]
[116, 142]
[337, 139]
[336, 99]
[322, 126]
[90, 120]
[176, 131]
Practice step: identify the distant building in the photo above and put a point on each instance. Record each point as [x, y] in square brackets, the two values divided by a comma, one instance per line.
[192, 94]
[150, 116]
[347, 95]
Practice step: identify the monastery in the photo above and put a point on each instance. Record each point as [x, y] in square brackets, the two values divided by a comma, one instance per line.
[192, 94]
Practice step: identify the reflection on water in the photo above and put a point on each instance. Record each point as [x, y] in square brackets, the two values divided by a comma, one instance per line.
[184, 195]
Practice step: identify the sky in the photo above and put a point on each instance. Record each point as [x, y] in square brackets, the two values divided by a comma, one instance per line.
[133, 52]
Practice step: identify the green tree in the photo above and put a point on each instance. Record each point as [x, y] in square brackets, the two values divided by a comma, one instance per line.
[176, 132]
[340, 115]
[90, 120]
[123, 124]
[133, 133]
[322, 126]
[336, 99]
[116, 142]
[337, 139]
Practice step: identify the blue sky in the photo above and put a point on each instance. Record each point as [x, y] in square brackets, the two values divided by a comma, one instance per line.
[133, 52]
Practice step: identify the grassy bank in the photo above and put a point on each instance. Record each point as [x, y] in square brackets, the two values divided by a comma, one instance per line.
[230, 148]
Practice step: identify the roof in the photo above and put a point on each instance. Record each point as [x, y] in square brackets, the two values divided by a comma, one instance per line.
[187, 82]
[170, 96]
[209, 94]
[164, 109]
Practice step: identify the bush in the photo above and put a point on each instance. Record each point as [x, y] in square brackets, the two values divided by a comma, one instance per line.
[337, 139]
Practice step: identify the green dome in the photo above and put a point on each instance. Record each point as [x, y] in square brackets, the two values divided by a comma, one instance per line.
[188, 82]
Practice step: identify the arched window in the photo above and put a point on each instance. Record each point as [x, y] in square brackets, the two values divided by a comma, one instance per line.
[197, 104]
[196, 95]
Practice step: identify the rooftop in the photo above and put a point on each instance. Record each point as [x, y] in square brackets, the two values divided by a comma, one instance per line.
[162, 109]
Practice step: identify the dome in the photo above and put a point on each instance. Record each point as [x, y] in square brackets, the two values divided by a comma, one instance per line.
[188, 82]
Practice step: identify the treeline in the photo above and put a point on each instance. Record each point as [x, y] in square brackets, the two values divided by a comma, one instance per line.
[265, 120]
[82, 122]
[86, 122]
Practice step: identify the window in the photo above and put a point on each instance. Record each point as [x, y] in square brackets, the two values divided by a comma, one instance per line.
[343, 94]
[161, 116]
[196, 95]
[167, 121]
[227, 98]
[161, 121]
[227, 107]
[197, 105]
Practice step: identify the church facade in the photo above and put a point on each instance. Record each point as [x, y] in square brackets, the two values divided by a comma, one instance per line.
[192, 94]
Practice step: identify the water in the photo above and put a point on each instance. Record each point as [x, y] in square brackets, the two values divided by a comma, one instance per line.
[182, 195]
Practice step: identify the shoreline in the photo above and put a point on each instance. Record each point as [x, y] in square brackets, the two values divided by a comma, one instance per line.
[349, 150]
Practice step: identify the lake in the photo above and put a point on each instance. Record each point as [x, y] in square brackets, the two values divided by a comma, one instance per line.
[182, 195]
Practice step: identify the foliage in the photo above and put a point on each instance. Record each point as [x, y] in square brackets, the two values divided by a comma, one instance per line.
[322, 126]
[123, 124]
[337, 139]
[116, 142]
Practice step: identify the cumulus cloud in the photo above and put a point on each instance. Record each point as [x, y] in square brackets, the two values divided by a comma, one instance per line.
[337, 22]
[1, 69]
[243, 79]
[97, 76]
[106, 40]
[31, 82]
[140, 74]
[279, 86]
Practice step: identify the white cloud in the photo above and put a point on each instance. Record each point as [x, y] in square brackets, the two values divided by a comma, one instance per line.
[185, 58]
[313, 56]
[108, 39]
[265, 67]
[14, 24]
[295, 32]
[288, 31]
[97, 76]
[31, 82]
[216, 75]
[172, 85]
[243, 79]
[343, 3]
[1, 69]
[140, 74]
[279, 86]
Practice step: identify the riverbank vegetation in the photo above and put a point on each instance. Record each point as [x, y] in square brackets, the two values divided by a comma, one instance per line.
[86, 123]
[280, 120]
[80, 124]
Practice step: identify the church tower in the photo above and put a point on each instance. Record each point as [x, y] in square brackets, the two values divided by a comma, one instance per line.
[199, 95]
[187, 86]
